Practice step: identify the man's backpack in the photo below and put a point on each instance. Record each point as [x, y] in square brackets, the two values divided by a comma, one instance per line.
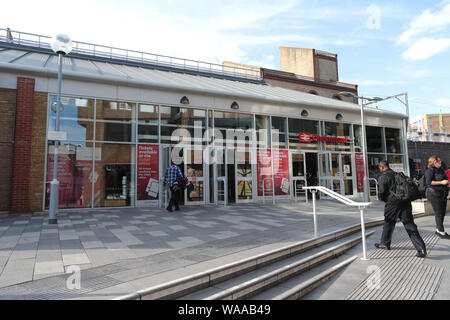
[422, 185]
[406, 188]
[182, 182]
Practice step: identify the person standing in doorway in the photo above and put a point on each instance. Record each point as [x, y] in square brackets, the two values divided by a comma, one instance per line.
[170, 178]
[437, 192]
[394, 209]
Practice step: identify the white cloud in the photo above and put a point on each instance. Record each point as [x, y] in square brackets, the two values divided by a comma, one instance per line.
[427, 22]
[443, 102]
[426, 48]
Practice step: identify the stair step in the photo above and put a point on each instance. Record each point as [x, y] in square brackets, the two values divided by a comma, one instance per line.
[251, 283]
[303, 284]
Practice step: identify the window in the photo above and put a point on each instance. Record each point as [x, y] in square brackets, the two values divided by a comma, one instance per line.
[374, 137]
[232, 128]
[148, 123]
[337, 97]
[115, 121]
[262, 131]
[299, 125]
[183, 125]
[334, 129]
[393, 141]
[279, 132]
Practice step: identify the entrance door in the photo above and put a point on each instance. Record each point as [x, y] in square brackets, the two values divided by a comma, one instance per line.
[336, 172]
[299, 177]
[194, 169]
[221, 174]
[244, 175]
[164, 163]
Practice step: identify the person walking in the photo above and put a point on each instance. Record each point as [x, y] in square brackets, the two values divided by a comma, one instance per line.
[437, 192]
[170, 178]
[394, 209]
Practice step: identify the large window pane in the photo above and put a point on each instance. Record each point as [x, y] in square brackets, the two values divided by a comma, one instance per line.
[396, 162]
[374, 137]
[115, 121]
[373, 161]
[232, 128]
[114, 174]
[357, 138]
[76, 117]
[297, 126]
[148, 123]
[74, 173]
[279, 132]
[190, 122]
[393, 142]
[341, 130]
[262, 131]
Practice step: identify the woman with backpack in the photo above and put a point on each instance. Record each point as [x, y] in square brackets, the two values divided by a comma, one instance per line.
[437, 192]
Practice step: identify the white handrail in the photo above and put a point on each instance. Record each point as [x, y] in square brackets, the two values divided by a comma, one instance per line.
[361, 206]
[294, 181]
[376, 186]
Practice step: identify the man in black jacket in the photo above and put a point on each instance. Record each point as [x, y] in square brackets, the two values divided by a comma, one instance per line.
[394, 209]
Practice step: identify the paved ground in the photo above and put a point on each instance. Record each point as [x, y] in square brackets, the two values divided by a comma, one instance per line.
[31, 250]
[123, 249]
[396, 274]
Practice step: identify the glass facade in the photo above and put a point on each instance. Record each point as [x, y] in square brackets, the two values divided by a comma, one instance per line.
[100, 164]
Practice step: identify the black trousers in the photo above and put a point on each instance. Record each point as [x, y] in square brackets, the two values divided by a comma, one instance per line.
[174, 198]
[402, 210]
[438, 199]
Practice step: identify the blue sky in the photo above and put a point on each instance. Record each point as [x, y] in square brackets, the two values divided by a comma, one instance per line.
[386, 47]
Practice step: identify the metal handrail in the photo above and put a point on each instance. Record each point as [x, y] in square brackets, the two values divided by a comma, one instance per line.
[102, 51]
[295, 188]
[224, 191]
[376, 186]
[361, 206]
[264, 190]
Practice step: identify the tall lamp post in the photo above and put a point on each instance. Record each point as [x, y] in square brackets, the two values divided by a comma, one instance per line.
[61, 45]
[363, 130]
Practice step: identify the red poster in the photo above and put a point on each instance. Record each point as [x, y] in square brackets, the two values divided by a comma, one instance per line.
[147, 172]
[359, 162]
[264, 171]
[281, 172]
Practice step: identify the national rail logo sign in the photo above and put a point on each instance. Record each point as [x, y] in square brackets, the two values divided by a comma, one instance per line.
[307, 137]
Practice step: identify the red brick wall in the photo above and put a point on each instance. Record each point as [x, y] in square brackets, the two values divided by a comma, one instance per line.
[22, 146]
[7, 109]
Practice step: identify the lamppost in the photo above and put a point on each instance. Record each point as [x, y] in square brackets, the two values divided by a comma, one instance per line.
[363, 130]
[61, 45]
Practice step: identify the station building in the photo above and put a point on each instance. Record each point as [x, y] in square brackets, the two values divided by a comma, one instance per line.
[127, 115]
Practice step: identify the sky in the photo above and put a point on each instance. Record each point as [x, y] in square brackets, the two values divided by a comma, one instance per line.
[386, 47]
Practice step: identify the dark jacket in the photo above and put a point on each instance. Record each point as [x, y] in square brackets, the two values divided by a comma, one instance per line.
[435, 174]
[386, 187]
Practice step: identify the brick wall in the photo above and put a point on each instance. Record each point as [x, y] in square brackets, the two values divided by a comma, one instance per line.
[7, 110]
[423, 150]
[22, 145]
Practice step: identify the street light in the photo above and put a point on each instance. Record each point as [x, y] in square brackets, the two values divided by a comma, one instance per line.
[363, 130]
[61, 45]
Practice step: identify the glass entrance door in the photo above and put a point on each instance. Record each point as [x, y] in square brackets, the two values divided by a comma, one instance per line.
[221, 176]
[244, 175]
[336, 172]
[194, 169]
[164, 163]
[298, 178]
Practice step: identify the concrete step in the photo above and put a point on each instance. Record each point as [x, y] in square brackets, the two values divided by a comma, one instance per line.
[192, 283]
[305, 283]
[251, 283]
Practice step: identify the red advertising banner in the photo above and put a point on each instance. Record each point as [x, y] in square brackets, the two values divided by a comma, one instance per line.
[66, 179]
[147, 172]
[359, 162]
[264, 170]
[281, 172]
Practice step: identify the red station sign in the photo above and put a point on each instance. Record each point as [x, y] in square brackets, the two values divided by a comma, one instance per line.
[307, 137]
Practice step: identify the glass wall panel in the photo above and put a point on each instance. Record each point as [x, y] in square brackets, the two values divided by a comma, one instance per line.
[396, 162]
[190, 122]
[393, 141]
[374, 137]
[262, 131]
[114, 175]
[373, 161]
[341, 130]
[76, 118]
[357, 133]
[74, 174]
[115, 121]
[296, 126]
[279, 132]
[233, 129]
[148, 123]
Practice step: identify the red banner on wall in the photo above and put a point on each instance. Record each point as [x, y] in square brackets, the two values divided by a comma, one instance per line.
[264, 171]
[281, 172]
[359, 163]
[147, 172]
